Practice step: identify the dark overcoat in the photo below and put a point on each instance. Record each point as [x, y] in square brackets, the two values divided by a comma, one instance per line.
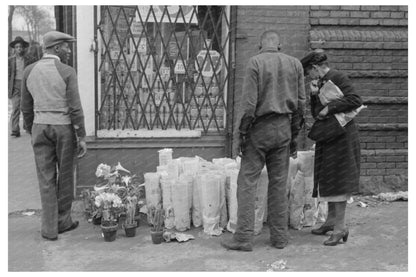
[337, 162]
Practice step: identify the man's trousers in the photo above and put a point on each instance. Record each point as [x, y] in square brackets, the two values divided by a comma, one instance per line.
[55, 148]
[267, 143]
[15, 114]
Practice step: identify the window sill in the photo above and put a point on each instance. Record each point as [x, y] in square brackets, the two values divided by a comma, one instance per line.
[129, 133]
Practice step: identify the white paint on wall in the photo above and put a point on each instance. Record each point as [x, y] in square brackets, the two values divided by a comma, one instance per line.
[85, 64]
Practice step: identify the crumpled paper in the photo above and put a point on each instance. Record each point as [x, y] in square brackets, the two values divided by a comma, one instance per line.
[393, 196]
[278, 265]
[180, 237]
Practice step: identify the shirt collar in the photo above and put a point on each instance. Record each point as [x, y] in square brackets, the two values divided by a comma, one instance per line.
[50, 56]
[268, 49]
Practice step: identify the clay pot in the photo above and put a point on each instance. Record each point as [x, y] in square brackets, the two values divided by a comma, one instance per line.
[157, 236]
[109, 231]
[130, 229]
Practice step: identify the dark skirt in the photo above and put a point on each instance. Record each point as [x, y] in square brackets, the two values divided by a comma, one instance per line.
[337, 164]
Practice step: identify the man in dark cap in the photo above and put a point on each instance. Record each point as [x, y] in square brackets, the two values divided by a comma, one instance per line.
[53, 115]
[17, 64]
[273, 95]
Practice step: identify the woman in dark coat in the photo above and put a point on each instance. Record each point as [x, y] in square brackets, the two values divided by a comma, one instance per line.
[337, 161]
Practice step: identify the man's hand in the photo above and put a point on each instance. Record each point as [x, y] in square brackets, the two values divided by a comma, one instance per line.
[323, 113]
[82, 147]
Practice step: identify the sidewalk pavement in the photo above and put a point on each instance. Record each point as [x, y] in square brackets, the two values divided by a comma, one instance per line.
[23, 182]
[378, 239]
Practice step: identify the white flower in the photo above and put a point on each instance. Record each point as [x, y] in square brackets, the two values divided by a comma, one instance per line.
[103, 170]
[126, 179]
[120, 167]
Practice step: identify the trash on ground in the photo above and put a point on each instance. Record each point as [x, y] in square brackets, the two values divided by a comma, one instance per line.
[180, 237]
[362, 204]
[28, 213]
[393, 196]
[278, 265]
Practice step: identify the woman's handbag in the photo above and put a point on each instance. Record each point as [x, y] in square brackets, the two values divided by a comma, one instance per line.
[326, 129]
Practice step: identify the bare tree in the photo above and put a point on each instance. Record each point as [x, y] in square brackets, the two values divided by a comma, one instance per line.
[11, 13]
[37, 20]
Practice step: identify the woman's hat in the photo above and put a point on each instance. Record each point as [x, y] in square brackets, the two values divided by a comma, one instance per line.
[315, 57]
[19, 40]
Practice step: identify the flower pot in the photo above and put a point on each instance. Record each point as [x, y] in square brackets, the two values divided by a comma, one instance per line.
[96, 220]
[109, 231]
[121, 220]
[130, 229]
[157, 236]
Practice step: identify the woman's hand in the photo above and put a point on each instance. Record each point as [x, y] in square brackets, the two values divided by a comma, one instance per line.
[323, 113]
[313, 85]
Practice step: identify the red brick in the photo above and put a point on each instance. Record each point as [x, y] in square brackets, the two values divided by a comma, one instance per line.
[394, 145]
[339, 13]
[397, 15]
[369, 22]
[395, 158]
[370, 8]
[368, 165]
[360, 14]
[319, 13]
[396, 171]
[390, 22]
[401, 165]
[376, 158]
[380, 14]
[386, 165]
[328, 21]
[350, 8]
[389, 8]
[377, 171]
[376, 145]
[349, 21]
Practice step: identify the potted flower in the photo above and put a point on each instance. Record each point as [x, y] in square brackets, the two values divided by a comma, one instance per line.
[110, 206]
[130, 223]
[157, 215]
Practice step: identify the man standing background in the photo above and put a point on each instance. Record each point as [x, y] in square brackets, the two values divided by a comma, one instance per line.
[272, 106]
[53, 115]
[16, 65]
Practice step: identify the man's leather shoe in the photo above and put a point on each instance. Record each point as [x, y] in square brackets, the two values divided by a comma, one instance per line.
[72, 227]
[53, 239]
[232, 244]
[15, 135]
[323, 230]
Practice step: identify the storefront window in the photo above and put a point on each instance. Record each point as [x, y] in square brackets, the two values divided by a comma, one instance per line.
[162, 68]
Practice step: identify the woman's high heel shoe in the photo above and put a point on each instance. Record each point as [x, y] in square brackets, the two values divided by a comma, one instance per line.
[336, 237]
[323, 230]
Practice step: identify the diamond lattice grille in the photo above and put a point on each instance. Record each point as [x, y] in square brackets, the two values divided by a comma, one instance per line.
[163, 67]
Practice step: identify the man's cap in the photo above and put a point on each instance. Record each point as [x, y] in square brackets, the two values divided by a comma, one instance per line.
[315, 57]
[53, 38]
[19, 40]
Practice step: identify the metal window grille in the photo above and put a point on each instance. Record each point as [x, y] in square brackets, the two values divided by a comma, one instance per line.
[162, 68]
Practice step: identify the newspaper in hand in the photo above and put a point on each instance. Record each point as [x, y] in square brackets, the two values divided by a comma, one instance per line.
[330, 92]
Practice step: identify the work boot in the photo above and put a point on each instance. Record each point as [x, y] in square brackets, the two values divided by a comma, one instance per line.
[232, 244]
[279, 244]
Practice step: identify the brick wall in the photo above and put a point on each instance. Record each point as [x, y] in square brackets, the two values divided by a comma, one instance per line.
[292, 23]
[370, 44]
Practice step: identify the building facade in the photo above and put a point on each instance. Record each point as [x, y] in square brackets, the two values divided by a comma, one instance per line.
[152, 77]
